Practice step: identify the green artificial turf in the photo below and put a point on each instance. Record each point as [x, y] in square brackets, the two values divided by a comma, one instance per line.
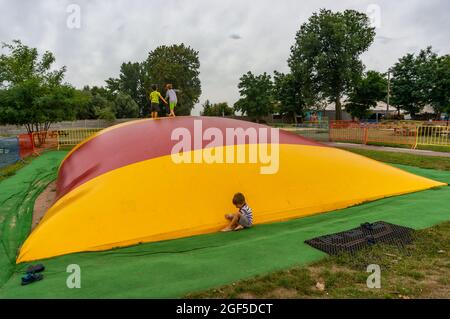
[17, 196]
[172, 269]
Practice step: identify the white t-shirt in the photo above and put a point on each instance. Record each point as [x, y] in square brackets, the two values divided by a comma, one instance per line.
[171, 96]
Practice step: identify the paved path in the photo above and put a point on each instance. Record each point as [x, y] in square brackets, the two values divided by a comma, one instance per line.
[390, 149]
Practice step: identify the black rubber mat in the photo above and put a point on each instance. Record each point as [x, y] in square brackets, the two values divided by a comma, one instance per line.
[365, 235]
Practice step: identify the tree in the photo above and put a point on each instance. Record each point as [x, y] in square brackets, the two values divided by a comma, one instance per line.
[37, 106]
[412, 82]
[440, 91]
[23, 63]
[290, 94]
[103, 92]
[206, 108]
[256, 95]
[178, 65]
[105, 114]
[31, 90]
[328, 48]
[125, 107]
[217, 109]
[87, 107]
[131, 82]
[102, 107]
[370, 89]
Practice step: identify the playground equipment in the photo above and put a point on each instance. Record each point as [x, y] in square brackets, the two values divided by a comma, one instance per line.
[133, 183]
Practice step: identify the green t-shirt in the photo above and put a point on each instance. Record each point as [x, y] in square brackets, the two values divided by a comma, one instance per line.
[154, 97]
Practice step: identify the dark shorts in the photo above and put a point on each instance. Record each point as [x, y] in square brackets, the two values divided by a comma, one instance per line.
[155, 108]
[244, 222]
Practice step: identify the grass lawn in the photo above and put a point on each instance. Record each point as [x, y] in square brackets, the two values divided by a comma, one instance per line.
[434, 148]
[421, 270]
[10, 170]
[439, 163]
[26, 180]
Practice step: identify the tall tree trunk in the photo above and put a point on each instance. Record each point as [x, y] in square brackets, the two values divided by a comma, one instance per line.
[338, 109]
[291, 117]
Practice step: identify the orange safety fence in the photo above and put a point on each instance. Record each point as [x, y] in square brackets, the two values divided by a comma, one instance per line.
[391, 134]
[26, 145]
[37, 142]
[45, 141]
[345, 124]
[366, 133]
[347, 131]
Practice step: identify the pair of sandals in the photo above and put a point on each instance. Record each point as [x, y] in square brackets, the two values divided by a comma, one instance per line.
[33, 274]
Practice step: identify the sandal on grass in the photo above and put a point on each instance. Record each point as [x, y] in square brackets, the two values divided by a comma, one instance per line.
[30, 278]
[35, 269]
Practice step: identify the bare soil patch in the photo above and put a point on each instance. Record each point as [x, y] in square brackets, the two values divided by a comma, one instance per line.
[43, 203]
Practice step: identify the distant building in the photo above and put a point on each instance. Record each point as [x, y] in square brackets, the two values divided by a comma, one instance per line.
[376, 114]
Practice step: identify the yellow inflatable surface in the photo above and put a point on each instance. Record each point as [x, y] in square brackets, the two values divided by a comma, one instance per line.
[153, 198]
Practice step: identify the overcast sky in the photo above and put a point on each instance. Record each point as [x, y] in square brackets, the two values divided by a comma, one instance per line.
[232, 36]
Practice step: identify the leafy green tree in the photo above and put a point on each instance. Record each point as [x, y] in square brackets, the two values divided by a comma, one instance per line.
[87, 107]
[95, 105]
[369, 90]
[31, 90]
[125, 107]
[328, 48]
[106, 113]
[256, 95]
[131, 82]
[440, 92]
[291, 95]
[22, 63]
[412, 82]
[102, 108]
[206, 108]
[178, 65]
[103, 92]
[37, 106]
[217, 109]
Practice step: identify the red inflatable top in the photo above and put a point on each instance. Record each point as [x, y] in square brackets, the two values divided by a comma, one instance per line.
[143, 140]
